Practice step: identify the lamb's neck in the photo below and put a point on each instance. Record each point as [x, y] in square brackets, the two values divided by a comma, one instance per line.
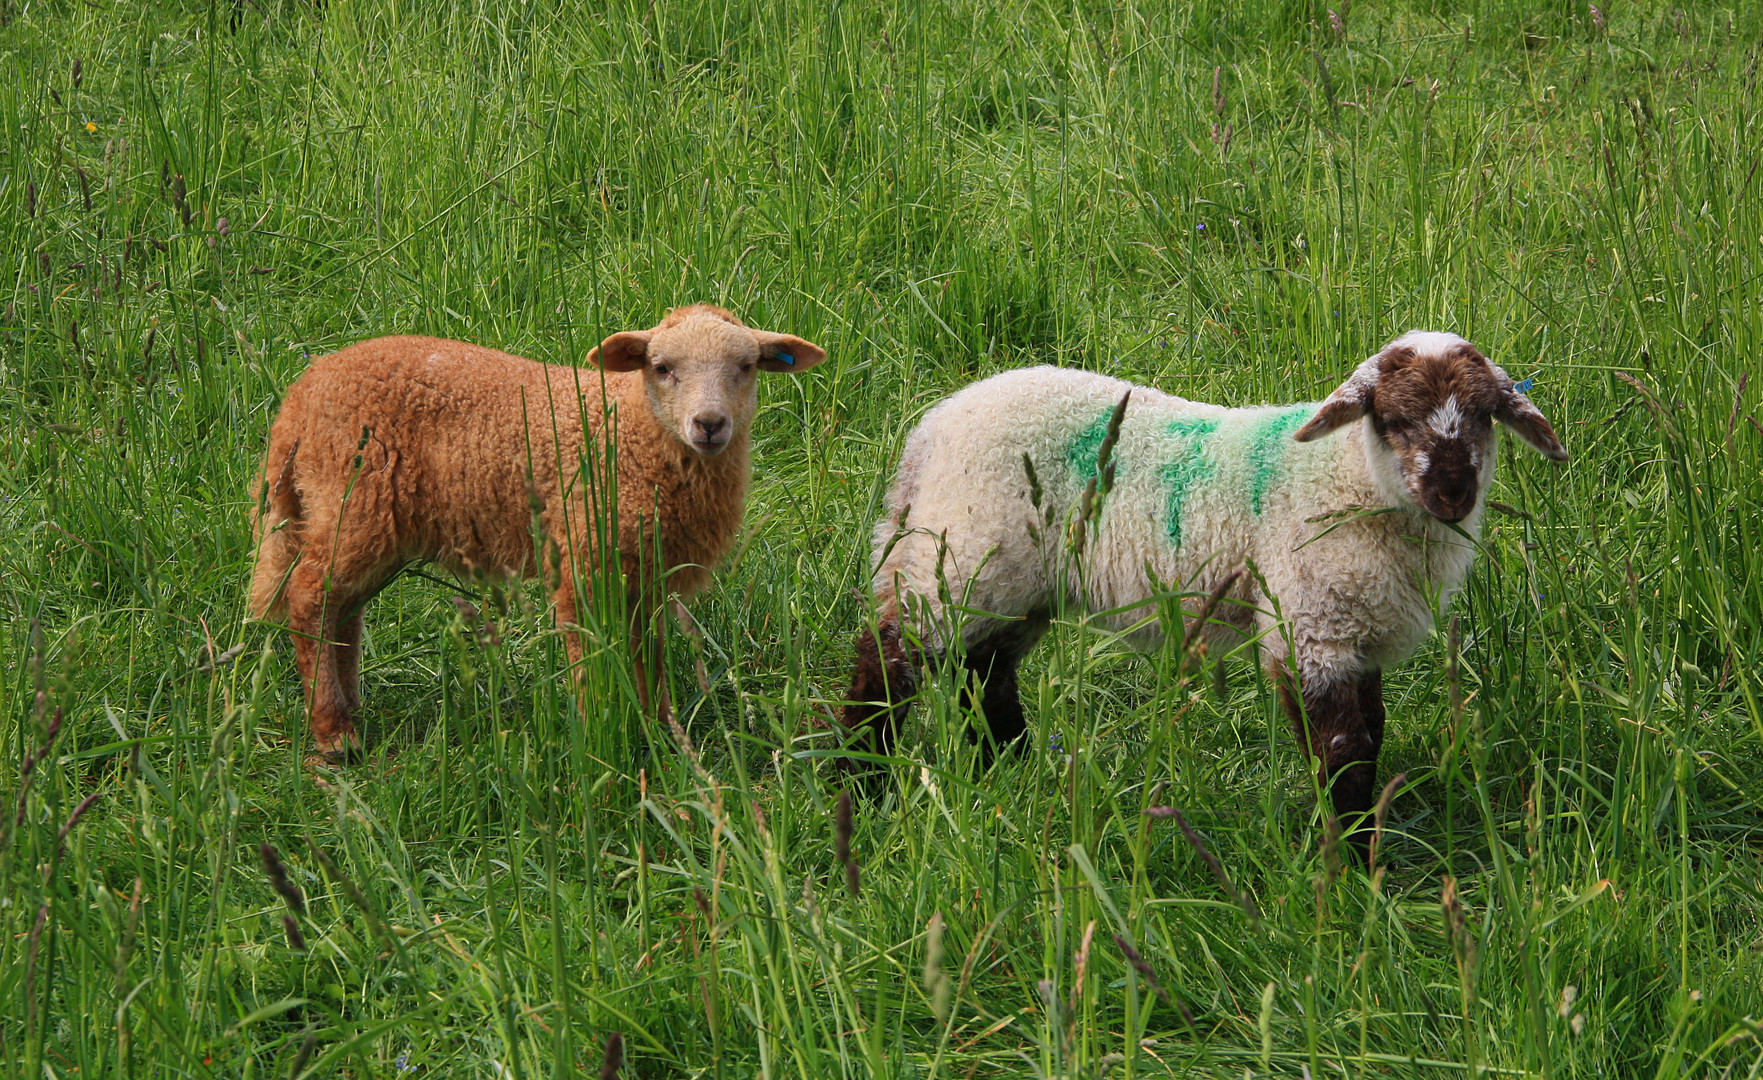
[652, 458]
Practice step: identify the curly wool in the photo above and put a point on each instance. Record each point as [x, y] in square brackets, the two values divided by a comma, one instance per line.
[1200, 491]
[444, 474]
[411, 449]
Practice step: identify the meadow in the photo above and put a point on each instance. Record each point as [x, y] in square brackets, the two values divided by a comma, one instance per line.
[1231, 202]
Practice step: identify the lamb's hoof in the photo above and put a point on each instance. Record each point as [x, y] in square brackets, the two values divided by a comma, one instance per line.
[343, 748]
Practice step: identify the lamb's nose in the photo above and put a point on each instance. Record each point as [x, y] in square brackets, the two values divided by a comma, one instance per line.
[712, 429]
[1458, 499]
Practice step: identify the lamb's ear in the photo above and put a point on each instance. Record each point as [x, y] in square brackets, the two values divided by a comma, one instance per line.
[624, 351]
[1348, 403]
[1525, 420]
[786, 352]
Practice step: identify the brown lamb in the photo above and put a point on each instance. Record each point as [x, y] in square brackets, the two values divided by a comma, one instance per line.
[404, 450]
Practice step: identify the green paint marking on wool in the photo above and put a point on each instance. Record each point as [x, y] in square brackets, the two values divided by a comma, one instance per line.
[1267, 451]
[1188, 467]
[1087, 445]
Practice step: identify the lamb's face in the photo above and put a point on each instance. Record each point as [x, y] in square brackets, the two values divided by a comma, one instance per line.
[1430, 401]
[700, 370]
[702, 378]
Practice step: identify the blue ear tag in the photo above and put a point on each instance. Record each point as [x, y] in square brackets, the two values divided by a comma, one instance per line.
[786, 358]
[1523, 385]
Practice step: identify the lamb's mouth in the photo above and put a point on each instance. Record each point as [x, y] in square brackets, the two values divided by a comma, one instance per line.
[1449, 517]
[708, 447]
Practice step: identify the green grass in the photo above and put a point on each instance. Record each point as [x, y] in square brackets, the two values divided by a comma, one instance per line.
[933, 193]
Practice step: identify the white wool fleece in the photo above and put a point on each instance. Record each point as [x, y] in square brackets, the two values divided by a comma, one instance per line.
[1199, 491]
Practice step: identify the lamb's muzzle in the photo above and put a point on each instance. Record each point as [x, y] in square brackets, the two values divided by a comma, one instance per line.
[408, 449]
[1199, 492]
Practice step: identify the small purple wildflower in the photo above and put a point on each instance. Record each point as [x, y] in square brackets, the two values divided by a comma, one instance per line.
[1201, 227]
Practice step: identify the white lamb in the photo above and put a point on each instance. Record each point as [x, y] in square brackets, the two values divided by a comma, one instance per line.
[1199, 492]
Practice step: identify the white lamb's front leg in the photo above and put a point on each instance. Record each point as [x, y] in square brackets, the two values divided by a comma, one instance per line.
[1334, 703]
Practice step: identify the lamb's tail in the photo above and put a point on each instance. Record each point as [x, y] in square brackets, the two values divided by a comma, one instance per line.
[277, 526]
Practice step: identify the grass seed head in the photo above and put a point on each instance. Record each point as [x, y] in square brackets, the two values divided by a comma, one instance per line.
[278, 878]
[303, 1055]
[180, 198]
[936, 982]
[613, 1059]
[842, 828]
[1456, 922]
[1080, 965]
[291, 928]
[842, 844]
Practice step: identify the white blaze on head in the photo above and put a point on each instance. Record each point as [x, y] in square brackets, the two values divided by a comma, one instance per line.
[1447, 419]
[1427, 342]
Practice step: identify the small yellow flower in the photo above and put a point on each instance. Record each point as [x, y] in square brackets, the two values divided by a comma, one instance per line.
[91, 126]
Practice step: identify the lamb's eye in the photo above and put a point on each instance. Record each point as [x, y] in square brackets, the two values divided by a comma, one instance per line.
[662, 370]
[746, 369]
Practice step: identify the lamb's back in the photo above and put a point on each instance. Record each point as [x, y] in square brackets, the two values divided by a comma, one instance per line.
[450, 430]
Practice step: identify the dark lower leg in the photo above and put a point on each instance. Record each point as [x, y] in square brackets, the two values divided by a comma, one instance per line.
[882, 684]
[651, 665]
[1334, 725]
[1371, 708]
[992, 672]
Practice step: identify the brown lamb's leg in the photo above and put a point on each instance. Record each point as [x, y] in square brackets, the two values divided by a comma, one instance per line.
[327, 636]
[1344, 738]
[348, 646]
[317, 623]
[648, 652]
[882, 685]
[569, 619]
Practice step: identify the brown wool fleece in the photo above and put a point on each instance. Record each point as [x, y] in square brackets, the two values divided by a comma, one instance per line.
[401, 450]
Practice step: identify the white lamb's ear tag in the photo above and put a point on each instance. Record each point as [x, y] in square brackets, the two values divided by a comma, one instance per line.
[1524, 419]
[1348, 403]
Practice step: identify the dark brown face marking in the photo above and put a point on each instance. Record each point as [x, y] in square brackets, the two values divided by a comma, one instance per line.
[1435, 412]
[1431, 401]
